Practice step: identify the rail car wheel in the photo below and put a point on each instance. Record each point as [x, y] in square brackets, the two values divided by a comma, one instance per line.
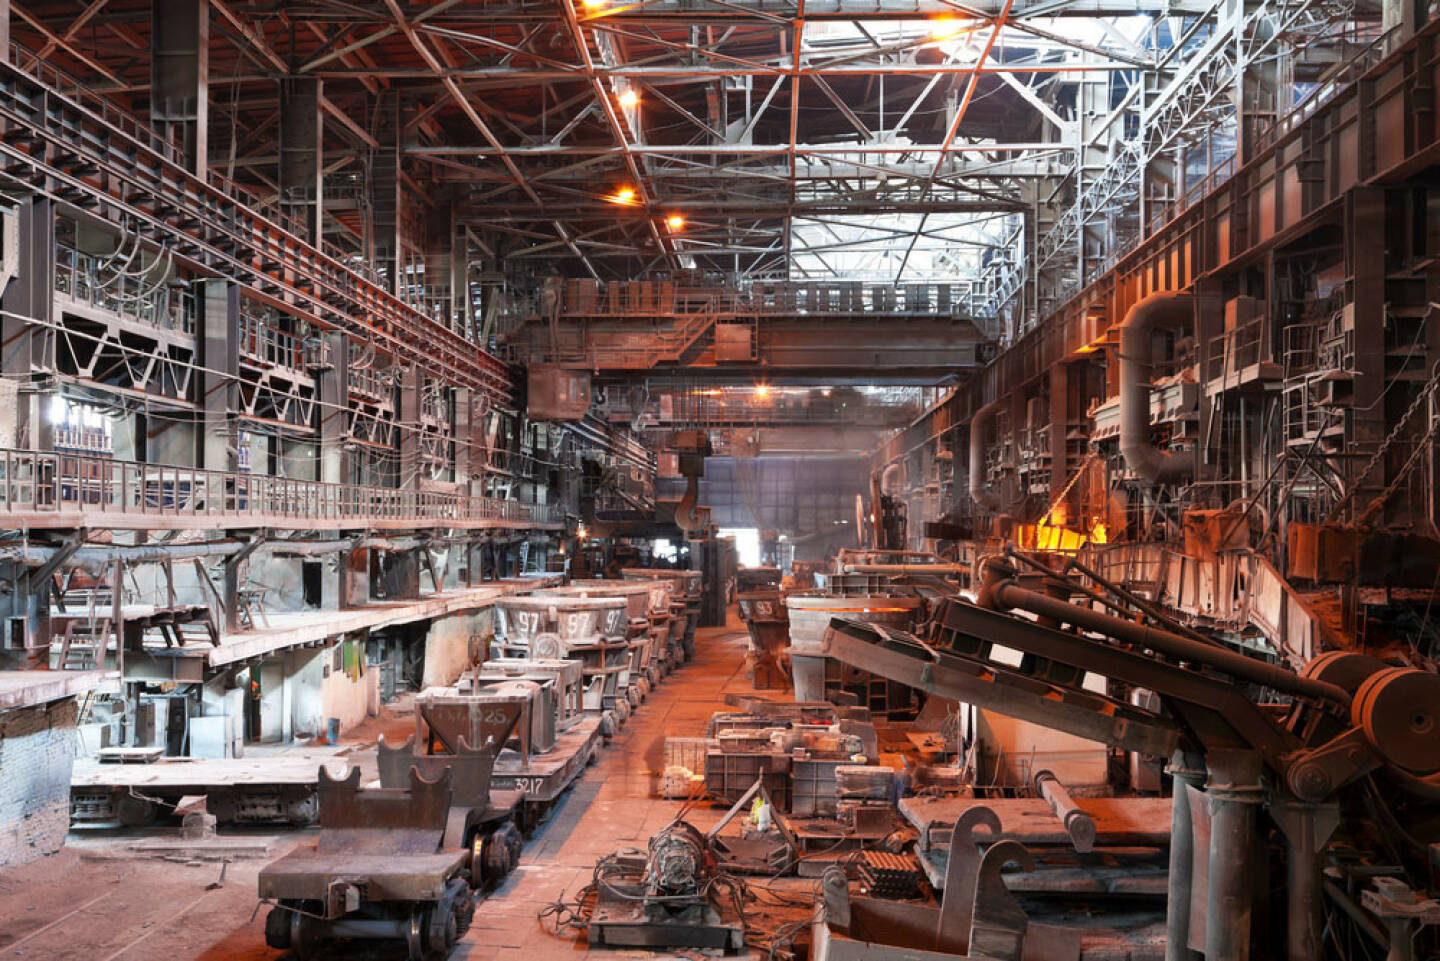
[302, 945]
[304, 810]
[415, 935]
[277, 928]
[136, 812]
[502, 851]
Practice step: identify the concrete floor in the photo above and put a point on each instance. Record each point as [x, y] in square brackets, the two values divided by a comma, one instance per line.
[95, 903]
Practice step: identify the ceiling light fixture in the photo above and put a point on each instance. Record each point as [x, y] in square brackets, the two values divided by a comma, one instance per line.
[629, 98]
[675, 221]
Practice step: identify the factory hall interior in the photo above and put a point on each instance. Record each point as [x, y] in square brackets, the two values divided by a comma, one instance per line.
[670, 480]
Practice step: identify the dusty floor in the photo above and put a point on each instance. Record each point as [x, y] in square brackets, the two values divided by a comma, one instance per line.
[83, 904]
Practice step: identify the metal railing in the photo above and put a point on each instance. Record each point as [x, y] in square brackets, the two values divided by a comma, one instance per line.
[1367, 52]
[1234, 589]
[1231, 353]
[152, 301]
[760, 298]
[138, 129]
[102, 150]
[107, 490]
[263, 343]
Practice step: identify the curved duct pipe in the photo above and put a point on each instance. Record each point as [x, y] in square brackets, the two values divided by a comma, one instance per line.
[887, 483]
[1137, 360]
[687, 518]
[982, 496]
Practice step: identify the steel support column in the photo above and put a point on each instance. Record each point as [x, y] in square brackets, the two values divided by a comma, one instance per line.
[1257, 90]
[386, 197]
[26, 339]
[1188, 772]
[1060, 394]
[302, 137]
[1307, 828]
[332, 387]
[354, 589]
[179, 77]
[216, 376]
[1365, 260]
[1232, 795]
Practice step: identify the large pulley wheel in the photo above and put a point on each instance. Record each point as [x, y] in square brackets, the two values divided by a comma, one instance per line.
[1347, 670]
[1398, 708]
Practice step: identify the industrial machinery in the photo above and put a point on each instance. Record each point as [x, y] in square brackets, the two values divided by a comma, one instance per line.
[384, 867]
[646, 648]
[764, 613]
[978, 916]
[236, 790]
[685, 599]
[795, 760]
[590, 630]
[481, 815]
[554, 739]
[1349, 749]
[854, 597]
[669, 896]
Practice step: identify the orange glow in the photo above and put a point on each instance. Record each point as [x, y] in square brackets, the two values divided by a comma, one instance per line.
[592, 4]
[629, 98]
[625, 195]
[943, 28]
[762, 391]
[675, 221]
[1048, 537]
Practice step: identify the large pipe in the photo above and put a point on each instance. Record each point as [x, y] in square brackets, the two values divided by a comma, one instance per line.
[1232, 794]
[1186, 772]
[1079, 825]
[905, 568]
[887, 486]
[999, 592]
[983, 496]
[1152, 464]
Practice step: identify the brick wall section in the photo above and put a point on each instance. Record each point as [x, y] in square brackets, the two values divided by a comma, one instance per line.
[37, 748]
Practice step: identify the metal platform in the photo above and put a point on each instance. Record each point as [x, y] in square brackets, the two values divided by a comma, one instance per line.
[1118, 821]
[250, 789]
[617, 922]
[547, 775]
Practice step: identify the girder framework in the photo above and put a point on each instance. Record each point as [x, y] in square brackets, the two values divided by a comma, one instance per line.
[1020, 147]
[595, 134]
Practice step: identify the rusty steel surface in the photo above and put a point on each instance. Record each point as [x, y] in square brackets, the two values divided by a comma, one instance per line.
[962, 872]
[445, 718]
[388, 839]
[902, 657]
